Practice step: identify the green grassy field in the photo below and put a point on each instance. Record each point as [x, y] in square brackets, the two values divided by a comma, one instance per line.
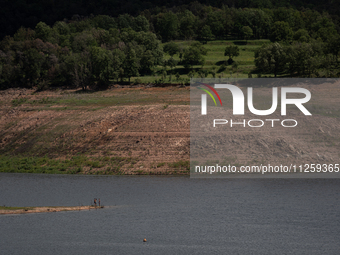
[213, 61]
[74, 165]
[97, 100]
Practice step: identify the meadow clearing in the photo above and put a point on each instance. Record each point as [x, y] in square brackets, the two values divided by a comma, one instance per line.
[214, 61]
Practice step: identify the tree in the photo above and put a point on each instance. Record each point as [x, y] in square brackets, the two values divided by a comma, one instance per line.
[31, 62]
[141, 24]
[177, 76]
[326, 33]
[102, 61]
[42, 31]
[194, 55]
[117, 62]
[281, 31]
[301, 35]
[172, 63]
[191, 74]
[171, 48]
[164, 73]
[270, 58]
[167, 26]
[247, 32]
[104, 22]
[301, 58]
[333, 46]
[215, 21]
[231, 51]
[81, 70]
[24, 34]
[76, 69]
[187, 22]
[130, 64]
[147, 62]
[8, 70]
[83, 41]
[61, 28]
[206, 33]
[148, 42]
[284, 15]
[125, 21]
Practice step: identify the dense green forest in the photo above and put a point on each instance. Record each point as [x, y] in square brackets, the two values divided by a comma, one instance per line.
[93, 51]
[28, 13]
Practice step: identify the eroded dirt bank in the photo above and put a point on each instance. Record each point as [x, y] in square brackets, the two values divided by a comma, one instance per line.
[120, 131]
[146, 131]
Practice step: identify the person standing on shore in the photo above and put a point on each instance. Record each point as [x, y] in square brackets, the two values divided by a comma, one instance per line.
[95, 202]
[99, 202]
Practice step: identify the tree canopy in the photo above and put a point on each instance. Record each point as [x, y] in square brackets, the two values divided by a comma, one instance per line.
[231, 51]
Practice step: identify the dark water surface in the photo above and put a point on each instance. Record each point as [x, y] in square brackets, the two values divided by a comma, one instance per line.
[177, 215]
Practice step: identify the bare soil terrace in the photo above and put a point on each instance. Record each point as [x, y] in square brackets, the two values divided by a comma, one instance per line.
[145, 130]
[119, 131]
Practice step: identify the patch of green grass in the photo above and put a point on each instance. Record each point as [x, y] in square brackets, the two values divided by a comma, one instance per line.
[98, 100]
[180, 164]
[160, 164]
[213, 60]
[45, 100]
[73, 165]
[94, 164]
[19, 101]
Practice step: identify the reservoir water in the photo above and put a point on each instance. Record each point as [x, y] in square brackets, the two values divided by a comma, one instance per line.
[177, 215]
